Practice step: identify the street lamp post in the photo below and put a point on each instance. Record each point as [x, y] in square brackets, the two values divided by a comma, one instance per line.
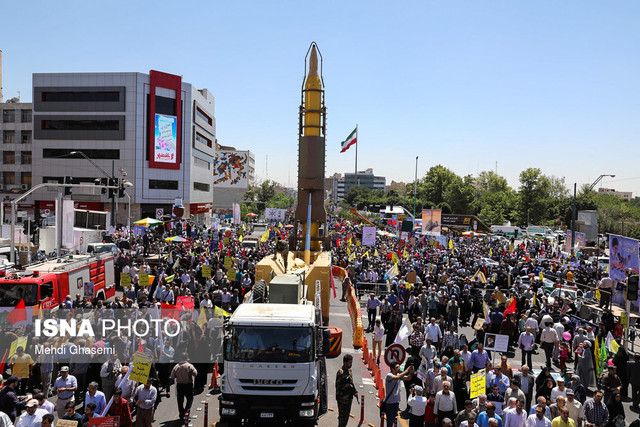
[415, 191]
[573, 208]
[106, 174]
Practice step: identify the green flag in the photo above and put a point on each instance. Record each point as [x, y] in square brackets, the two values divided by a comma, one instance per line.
[603, 357]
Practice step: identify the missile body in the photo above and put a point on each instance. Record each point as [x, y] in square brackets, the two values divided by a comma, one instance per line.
[310, 212]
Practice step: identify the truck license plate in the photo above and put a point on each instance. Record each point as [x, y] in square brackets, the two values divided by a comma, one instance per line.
[266, 414]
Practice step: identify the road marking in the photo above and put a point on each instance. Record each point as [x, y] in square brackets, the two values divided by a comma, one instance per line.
[368, 381]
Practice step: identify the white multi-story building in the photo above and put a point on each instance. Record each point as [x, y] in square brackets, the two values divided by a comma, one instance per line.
[15, 172]
[153, 130]
[624, 195]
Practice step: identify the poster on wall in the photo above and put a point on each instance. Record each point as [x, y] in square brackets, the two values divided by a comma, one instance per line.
[623, 255]
[166, 139]
[230, 169]
[431, 221]
[579, 241]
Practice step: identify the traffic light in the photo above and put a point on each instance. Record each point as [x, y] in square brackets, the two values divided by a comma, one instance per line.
[112, 191]
[632, 288]
[121, 189]
[68, 190]
[29, 226]
[102, 181]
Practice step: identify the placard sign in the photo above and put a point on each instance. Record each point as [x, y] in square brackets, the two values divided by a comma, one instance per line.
[141, 367]
[478, 384]
[496, 342]
[368, 236]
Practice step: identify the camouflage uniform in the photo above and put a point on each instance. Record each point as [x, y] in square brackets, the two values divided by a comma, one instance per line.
[345, 390]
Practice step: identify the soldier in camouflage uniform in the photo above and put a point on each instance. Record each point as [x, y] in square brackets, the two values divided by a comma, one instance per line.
[345, 390]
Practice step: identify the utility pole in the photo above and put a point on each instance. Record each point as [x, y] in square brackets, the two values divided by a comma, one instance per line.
[415, 192]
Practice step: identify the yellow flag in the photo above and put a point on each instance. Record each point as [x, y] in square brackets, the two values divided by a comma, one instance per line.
[357, 242]
[352, 256]
[349, 243]
[348, 251]
[405, 254]
[598, 295]
[490, 252]
[240, 238]
[394, 258]
[169, 279]
[202, 318]
[265, 236]
[375, 253]
[218, 312]
[365, 255]
[541, 275]
[280, 225]
[450, 244]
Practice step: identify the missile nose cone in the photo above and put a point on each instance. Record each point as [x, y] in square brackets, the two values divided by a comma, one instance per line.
[313, 61]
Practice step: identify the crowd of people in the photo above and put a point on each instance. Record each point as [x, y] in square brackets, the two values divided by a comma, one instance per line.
[492, 286]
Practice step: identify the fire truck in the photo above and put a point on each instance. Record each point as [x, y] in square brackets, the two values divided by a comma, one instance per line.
[48, 283]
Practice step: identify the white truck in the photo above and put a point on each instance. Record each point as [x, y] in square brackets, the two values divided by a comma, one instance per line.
[274, 364]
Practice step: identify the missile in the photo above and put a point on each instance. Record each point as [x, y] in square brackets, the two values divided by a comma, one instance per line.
[310, 212]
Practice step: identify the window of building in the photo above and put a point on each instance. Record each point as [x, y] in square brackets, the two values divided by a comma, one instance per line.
[201, 163]
[161, 184]
[204, 116]
[25, 178]
[25, 116]
[104, 96]
[9, 178]
[9, 136]
[200, 186]
[165, 105]
[81, 125]
[26, 136]
[55, 153]
[9, 158]
[8, 116]
[203, 140]
[26, 157]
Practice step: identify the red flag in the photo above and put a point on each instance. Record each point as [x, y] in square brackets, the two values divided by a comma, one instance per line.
[333, 285]
[169, 311]
[338, 242]
[18, 314]
[220, 241]
[140, 347]
[4, 361]
[511, 308]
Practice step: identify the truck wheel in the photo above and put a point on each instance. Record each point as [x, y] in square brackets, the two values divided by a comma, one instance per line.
[228, 422]
[260, 292]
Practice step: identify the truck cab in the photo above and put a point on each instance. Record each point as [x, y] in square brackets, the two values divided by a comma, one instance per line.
[274, 365]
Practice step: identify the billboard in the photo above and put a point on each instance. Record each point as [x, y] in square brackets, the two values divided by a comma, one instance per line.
[623, 255]
[579, 243]
[369, 236]
[274, 214]
[165, 139]
[431, 221]
[230, 169]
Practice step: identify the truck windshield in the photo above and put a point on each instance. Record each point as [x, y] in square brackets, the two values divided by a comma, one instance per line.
[261, 344]
[12, 293]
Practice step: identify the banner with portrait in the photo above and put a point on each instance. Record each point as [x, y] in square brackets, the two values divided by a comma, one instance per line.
[431, 222]
[623, 255]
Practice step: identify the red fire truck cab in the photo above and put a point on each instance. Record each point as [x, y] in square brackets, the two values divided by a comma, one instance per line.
[48, 283]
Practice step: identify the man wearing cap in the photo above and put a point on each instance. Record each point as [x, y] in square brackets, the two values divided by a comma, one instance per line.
[32, 417]
[65, 387]
[417, 404]
[576, 412]
[9, 402]
[21, 364]
[559, 390]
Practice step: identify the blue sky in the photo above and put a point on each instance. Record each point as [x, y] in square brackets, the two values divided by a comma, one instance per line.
[466, 84]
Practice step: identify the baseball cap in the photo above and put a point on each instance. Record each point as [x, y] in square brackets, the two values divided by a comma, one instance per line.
[570, 391]
[32, 403]
[64, 369]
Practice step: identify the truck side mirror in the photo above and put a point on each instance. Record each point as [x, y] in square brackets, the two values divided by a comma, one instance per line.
[326, 340]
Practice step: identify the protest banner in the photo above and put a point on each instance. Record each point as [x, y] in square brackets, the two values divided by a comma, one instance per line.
[125, 280]
[143, 279]
[20, 342]
[206, 271]
[623, 255]
[141, 367]
[231, 274]
[368, 236]
[478, 384]
[496, 342]
[67, 423]
[103, 422]
[228, 262]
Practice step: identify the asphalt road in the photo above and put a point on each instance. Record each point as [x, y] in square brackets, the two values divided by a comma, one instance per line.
[167, 412]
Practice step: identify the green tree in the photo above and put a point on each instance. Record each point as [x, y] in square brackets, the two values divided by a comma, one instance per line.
[533, 197]
[494, 201]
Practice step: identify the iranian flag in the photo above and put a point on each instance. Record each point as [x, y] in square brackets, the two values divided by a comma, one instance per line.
[351, 139]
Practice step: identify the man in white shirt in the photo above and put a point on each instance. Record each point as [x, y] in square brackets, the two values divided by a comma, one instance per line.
[538, 419]
[516, 417]
[33, 415]
[123, 382]
[525, 344]
[427, 353]
[445, 405]
[576, 412]
[548, 340]
[433, 331]
[559, 390]
[417, 404]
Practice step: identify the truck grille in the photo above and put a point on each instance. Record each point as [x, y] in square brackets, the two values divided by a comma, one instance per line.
[267, 384]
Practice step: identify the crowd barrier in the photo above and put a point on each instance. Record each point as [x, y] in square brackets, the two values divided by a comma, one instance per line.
[356, 317]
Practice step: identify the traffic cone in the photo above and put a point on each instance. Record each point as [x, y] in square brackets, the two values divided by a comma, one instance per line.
[376, 374]
[365, 355]
[214, 378]
[381, 393]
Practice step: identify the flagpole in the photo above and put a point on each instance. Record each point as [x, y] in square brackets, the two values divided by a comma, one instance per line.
[357, 179]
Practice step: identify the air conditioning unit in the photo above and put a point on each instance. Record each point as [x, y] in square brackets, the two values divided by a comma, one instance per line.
[24, 186]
